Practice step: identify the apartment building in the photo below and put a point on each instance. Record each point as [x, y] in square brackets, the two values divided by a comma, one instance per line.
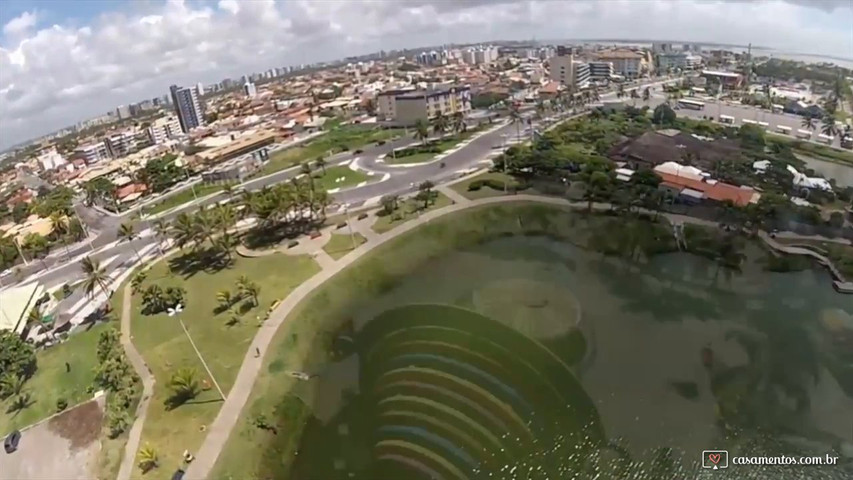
[163, 129]
[386, 102]
[563, 68]
[249, 90]
[600, 71]
[123, 143]
[92, 152]
[626, 63]
[187, 107]
[411, 106]
[678, 60]
[50, 159]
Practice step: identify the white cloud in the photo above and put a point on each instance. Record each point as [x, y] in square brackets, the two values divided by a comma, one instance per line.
[54, 76]
[21, 24]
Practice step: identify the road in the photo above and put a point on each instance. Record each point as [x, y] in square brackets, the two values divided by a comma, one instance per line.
[64, 268]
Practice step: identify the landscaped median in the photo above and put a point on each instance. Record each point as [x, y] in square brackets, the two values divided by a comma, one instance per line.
[488, 184]
[223, 308]
[184, 196]
[396, 212]
[426, 152]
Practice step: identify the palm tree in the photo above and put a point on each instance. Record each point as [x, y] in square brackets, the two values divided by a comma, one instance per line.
[95, 276]
[515, 117]
[225, 299]
[185, 230]
[184, 384]
[459, 122]
[439, 123]
[59, 226]
[809, 123]
[828, 126]
[161, 231]
[126, 234]
[425, 192]
[421, 131]
[305, 169]
[248, 288]
[148, 458]
[226, 217]
[646, 94]
[137, 281]
[12, 384]
[21, 402]
[321, 164]
[540, 109]
[620, 91]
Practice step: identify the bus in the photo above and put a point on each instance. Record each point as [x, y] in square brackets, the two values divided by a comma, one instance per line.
[783, 129]
[804, 134]
[763, 124]
[727, 119]
[777, 108]
[691, 104]
[747, 121]
[827, 139]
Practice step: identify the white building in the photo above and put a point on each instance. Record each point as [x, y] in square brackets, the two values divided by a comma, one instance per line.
[50, 159]
[600, 70]
[249, 90]
[199, 89]
[626, 63]
[122, 112]
[92, 152]
[163, 129]
[563, 68]
[678, 60]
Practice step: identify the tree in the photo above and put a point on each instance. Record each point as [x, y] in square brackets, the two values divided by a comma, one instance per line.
[321, 164]
[126, 233]
[828, 126]
[389, 203]
[516, 119]
[425, 193]
[11, 384]
[185, 230]
[305, 169]
[17, 357]
[161, 231]
[37, 246]
[646, 94]
[148, 458]
[8, 252]
[663, 114]
[248, 288]
[184, 384]
[137, 281]
[421, 131]
[459, 122]
[225, 299]
[22, 401]
[95, 276]
[20, 212]
[808, 123]
[751, 136]
[152, 300]
[439, 123]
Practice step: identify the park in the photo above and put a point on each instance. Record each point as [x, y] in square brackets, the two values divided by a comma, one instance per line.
[426, 298]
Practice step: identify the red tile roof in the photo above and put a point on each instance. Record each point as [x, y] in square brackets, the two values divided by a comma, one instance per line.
[718, 191]
[130, 189]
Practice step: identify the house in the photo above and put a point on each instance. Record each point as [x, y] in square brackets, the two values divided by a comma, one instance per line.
[694, 186]
[130, 192]
[662, 146]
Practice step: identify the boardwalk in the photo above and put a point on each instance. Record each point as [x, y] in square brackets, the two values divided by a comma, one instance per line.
[841, 284]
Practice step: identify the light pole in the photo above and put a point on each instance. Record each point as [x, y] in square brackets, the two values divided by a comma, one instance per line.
[349, 224]
[174, 312]
[83, 226]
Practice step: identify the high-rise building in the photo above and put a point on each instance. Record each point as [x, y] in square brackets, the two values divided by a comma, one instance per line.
[250, 90]
[187, 107]
[199, 88]
[122, 112]
[600, 70]
[561, 67]
[163, 129]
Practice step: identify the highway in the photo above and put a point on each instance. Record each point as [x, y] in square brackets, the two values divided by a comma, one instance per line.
[61, 267]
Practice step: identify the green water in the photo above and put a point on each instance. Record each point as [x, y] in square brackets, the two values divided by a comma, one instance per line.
[529, 358]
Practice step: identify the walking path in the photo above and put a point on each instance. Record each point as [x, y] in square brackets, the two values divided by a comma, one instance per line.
[147, 388]
[453, 194]
[841, 284]
[231, 410]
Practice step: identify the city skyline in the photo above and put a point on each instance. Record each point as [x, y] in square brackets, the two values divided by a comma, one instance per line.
[58, 67]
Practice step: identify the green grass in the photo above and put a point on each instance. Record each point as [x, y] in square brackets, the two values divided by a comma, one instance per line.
[462, 187]
[184, 196]
[340, 176]
[351, 137]
[301, 343]
[443, 146]
[407, 210]
[341, 243]
[164, 346]
[51, 382]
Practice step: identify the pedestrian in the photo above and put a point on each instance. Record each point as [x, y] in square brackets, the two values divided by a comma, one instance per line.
[67, 367]
[257, 352]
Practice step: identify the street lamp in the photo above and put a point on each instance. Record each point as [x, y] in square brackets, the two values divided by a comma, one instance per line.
[174, 312]
[349, 224]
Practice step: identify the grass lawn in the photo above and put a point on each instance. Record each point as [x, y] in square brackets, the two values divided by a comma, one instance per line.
[337, 139]
[484, 191]
[51, 382]
[340, 176]
[184, 196]
[301, 343]
[341, 243]
[443, 146]
[409, 209]
[162, 342]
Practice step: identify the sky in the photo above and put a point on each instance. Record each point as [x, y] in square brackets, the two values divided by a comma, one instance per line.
[62, 61]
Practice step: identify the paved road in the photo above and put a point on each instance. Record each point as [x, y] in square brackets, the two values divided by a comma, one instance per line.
[65, 269]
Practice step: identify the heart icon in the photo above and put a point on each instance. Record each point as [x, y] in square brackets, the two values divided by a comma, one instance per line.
[714, 457]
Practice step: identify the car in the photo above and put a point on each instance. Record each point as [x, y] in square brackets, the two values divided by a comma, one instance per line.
[11, 442]
[178, 475]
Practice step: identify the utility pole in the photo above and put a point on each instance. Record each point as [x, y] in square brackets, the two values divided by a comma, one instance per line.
[349, 224]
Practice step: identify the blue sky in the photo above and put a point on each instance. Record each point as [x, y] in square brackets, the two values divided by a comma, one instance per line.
[62, 61]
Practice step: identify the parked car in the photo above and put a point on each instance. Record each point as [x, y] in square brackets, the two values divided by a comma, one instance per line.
[178, 475]
[11, 442]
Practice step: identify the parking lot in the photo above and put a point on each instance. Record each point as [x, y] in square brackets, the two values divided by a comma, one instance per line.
[63, 447]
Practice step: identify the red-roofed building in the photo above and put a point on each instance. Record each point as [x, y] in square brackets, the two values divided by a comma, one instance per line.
[130, 189]
[713, 190]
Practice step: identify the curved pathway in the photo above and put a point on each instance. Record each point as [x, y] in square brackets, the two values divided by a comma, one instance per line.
[230, 412]
[147, 387]
[841, 284]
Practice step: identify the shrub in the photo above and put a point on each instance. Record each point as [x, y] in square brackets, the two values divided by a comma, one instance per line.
[61, 404]
[380, 143]
[292, 243]
[475, 185]
[344, 148]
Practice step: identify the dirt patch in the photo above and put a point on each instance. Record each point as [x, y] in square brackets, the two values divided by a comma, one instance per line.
[80, 426]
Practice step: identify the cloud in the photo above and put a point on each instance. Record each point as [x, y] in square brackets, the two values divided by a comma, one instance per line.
[21, 24]
[53, 76]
